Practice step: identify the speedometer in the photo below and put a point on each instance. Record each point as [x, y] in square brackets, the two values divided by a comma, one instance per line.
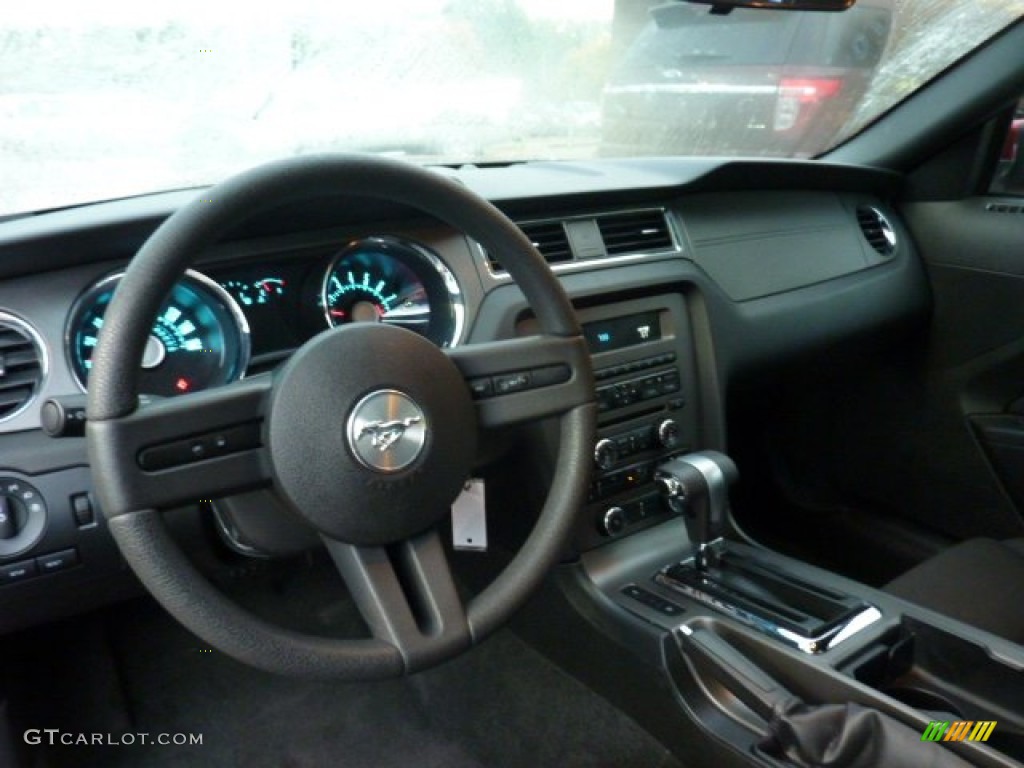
[200, 339]
[387, 280]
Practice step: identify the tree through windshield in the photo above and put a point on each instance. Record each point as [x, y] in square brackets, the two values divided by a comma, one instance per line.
[114, 98]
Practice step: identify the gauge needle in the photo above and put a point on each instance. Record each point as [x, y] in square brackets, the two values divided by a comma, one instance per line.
[338, 313]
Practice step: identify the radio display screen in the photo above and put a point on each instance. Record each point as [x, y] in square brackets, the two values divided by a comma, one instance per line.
[622, 332]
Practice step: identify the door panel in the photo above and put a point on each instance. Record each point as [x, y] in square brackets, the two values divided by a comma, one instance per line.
[973, 374]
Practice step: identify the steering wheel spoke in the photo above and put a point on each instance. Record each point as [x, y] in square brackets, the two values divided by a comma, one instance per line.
[198, 446]
[527, 378]
[407, 596]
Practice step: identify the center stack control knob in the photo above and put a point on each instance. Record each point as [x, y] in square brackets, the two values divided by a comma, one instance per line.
[605, 453]
[669, 433]
[614, 521]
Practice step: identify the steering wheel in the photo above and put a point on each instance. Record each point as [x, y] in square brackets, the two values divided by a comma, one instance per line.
[308, 431]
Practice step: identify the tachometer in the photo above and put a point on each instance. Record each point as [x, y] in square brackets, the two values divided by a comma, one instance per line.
[387, 280]
[200, 338]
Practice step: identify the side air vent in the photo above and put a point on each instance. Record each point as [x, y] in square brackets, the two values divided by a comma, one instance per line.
[548, 237]
[1003, 208]
[22, 365]
[877, 230]
[635, 232]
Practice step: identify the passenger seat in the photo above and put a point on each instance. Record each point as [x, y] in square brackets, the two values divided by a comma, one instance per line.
[978, 582]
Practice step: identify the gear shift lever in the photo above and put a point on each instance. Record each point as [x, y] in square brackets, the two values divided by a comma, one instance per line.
[698, 484]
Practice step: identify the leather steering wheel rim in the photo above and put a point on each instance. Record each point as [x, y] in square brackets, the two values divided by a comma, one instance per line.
[131, 498]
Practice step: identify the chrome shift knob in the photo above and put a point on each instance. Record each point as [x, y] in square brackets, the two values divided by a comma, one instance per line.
[698, 484]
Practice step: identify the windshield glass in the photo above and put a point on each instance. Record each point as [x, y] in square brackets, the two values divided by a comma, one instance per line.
[112, 98]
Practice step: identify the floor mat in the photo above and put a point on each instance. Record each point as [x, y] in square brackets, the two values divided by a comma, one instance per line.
[500, 705]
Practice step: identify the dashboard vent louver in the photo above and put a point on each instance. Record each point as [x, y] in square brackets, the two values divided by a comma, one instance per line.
[22, 365]
[548, 237]
[635, 232]
[877, 230]
[1003, 208]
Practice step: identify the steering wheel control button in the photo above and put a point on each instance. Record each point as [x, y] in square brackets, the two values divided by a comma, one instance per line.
[519, 381]
[17, 572]
[481, 387]
[512, 382]
[387, 431]
[244, 437]
[57, 561]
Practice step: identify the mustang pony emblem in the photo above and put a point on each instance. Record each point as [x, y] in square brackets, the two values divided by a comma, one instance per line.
[384, 434]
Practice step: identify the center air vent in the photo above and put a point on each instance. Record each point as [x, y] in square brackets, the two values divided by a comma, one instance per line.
[877, 230]
[635, 232]
[22, 365]
[548, 237]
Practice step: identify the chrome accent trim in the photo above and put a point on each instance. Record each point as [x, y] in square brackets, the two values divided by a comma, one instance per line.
[451, 283]
[39, 343]
[581, 264]
[219, 292]
[718, 498]
[809, 645]
[888, 231]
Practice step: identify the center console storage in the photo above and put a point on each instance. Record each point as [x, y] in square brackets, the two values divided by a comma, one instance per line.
[750, 633]
[952, 677]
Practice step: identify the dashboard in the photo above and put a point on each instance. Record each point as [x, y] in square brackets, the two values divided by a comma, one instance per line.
[687, 275]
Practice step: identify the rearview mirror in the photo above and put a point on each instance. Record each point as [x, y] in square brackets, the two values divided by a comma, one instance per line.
[725, 6]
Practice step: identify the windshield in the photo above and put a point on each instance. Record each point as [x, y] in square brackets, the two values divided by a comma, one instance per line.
[111, 98]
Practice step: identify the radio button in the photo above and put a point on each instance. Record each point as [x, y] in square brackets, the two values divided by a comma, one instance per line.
[650, 388]
[669, 382]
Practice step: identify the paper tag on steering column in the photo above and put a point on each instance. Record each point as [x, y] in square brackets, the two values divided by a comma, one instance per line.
[469, 518]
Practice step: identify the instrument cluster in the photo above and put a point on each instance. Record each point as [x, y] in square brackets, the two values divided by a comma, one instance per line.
[214, 321]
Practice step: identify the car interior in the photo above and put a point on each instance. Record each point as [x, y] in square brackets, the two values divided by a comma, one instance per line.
[675, 460]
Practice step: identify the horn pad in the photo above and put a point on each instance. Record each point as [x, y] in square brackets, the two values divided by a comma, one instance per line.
[371, 432]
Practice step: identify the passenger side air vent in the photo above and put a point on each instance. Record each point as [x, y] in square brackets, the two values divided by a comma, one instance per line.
[22, 365]
[877, 230]
[548, 237]
[635, 232]
[1003, 208]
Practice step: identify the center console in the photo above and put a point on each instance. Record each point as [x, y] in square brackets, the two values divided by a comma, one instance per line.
[741, 633]
[750, 637]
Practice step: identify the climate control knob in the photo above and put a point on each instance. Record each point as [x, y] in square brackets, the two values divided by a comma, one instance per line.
[614, 521]
[605, 453]
[669, 434]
